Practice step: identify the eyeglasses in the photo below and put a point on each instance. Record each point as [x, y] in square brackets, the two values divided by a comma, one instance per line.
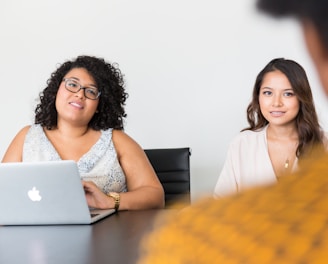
[73, 86]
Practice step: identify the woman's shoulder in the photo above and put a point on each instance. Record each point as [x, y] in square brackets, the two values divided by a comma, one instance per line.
[250, 135]
[34, 129]
[249, 139]
[123, 142]
[120, 135]
[24, 130]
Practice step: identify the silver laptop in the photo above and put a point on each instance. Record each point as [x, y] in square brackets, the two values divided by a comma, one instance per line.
[44, 193]
[46, 245]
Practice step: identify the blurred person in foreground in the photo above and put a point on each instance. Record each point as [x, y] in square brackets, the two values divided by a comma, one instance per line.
[281, 223]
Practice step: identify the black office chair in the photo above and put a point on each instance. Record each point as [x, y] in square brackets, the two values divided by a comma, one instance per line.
[172, 166]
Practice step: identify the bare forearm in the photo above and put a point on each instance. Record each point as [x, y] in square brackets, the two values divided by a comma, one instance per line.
[142, 198]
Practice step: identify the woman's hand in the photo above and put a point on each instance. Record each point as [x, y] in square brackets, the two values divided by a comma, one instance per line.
[95, 197]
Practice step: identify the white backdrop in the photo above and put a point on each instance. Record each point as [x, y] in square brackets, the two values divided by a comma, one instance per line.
[189, 66]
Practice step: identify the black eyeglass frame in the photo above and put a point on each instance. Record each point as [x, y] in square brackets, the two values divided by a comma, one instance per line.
[65, 80]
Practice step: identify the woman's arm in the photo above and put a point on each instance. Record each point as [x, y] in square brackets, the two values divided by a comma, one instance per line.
[14, 152]
[226, 183]
[144, 188]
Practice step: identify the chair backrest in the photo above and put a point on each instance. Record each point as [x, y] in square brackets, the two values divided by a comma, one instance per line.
[172, 166]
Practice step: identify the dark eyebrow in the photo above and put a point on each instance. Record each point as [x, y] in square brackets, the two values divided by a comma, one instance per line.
[77, 79]
[266, 87]
[74, 78]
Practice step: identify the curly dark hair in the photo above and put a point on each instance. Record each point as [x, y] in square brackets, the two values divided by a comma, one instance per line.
[309, 131]
[110, 83]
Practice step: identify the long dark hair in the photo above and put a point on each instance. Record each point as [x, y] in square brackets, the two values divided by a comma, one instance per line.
[309, 131]
[110, 83]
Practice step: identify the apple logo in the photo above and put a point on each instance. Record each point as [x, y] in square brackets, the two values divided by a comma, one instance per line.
[34, 195]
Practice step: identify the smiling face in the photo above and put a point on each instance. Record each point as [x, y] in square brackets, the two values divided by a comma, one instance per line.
[278, 102]
[75, 107]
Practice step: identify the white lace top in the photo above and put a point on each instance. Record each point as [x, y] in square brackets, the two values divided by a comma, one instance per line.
[99, 164]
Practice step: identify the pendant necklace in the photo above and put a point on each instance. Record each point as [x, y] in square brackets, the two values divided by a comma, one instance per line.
[287, 163]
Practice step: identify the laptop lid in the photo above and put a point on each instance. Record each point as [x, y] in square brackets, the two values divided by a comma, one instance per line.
[46, 244]
[44, 193]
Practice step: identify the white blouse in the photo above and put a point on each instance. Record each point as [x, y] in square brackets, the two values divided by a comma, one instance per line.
[99, 164]
[247, 164]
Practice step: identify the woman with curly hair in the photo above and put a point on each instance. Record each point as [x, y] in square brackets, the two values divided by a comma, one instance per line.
[283, 130]
[80, 118]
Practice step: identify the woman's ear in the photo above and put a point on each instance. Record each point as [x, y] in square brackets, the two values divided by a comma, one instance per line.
[318, 51]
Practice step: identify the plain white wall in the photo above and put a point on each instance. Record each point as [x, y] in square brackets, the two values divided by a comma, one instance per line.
[189, 66]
